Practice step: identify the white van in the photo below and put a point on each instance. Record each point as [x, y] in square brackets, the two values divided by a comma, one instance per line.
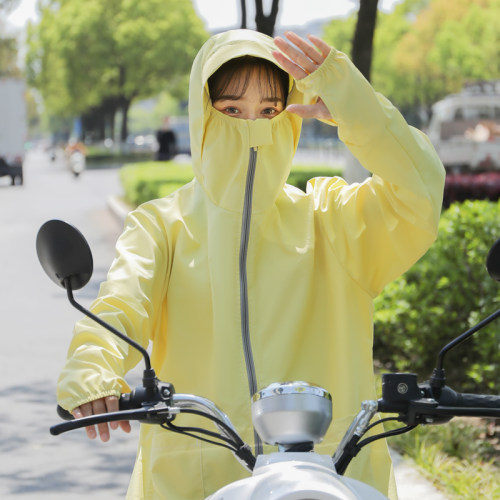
[465, 128]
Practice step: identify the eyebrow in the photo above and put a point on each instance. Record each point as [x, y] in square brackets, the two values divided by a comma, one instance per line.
[233, 97]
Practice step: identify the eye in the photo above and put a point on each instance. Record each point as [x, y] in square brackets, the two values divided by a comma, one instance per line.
[270, 111]
[230, 110]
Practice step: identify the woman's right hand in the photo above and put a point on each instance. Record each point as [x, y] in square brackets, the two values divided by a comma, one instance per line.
[103, 405]
[300, 58]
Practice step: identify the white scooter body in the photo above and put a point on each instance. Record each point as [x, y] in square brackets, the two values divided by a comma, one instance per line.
[296, 476]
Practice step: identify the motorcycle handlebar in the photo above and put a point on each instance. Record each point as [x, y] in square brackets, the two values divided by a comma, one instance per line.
[424, 408]
[135, 414]
[451, 398]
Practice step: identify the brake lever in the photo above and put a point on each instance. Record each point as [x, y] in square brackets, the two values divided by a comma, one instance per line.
[157, 414]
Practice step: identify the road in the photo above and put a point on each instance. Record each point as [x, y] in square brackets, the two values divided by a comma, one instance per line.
[36, 323]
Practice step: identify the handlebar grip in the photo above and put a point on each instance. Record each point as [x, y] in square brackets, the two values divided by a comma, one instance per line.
[127, 402]
[477, 401]
[451, 398]
[64, 414]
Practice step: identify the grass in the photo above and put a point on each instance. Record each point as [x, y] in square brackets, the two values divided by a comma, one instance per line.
[462, 458]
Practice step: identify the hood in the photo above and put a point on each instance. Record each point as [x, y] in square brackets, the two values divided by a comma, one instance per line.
[220, 145]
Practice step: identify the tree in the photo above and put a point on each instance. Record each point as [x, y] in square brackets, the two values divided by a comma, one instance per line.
[264, 23]
[362, 43]
[85, 54]
[426, 49]
[8, 44]
[243, 7]
[8, 58]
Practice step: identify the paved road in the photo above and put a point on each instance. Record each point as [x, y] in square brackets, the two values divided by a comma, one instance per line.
[36, 322]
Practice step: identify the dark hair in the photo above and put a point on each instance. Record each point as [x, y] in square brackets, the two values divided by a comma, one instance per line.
[235, 74]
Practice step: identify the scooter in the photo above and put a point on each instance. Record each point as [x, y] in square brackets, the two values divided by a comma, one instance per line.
[292, 415]
[76, 162]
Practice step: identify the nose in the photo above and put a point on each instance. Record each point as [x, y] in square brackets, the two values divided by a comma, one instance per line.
[250, 115]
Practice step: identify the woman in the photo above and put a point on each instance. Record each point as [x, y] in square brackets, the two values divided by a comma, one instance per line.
[239, 279]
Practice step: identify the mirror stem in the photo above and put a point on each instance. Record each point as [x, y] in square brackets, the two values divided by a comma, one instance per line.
[465, 336]
[438, 379]
[147, 361]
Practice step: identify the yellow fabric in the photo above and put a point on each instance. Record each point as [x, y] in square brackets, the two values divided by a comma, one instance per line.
[315, 262]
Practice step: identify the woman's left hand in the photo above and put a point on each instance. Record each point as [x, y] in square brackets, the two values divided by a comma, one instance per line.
[300, 61]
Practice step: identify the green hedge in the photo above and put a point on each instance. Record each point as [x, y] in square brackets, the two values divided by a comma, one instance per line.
[441, 296]
[150, 180]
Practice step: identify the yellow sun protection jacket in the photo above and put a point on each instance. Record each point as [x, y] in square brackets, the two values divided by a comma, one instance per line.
[239, 280]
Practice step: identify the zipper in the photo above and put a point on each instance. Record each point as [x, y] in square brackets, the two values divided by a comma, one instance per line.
[245, 327]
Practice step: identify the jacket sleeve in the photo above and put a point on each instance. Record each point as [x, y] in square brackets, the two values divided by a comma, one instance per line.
[380, 227]
[129, 300]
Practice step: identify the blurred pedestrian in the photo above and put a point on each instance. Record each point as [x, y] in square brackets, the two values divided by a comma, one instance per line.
[167, 143]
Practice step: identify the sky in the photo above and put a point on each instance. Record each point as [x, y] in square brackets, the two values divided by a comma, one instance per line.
[227, 14]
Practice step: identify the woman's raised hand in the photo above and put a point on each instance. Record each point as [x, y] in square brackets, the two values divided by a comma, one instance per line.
[300, 60]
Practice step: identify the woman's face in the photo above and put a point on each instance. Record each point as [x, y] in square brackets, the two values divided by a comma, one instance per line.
[256, 102]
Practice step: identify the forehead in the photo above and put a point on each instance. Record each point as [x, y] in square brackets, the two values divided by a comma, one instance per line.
[256, 79]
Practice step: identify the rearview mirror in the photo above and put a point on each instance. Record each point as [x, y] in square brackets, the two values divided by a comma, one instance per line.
[493, 261]
[64, 254]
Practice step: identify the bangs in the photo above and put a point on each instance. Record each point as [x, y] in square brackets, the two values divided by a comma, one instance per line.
[233, 77]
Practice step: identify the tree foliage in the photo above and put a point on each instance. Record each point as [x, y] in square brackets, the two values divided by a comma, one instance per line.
[425, 49]
[8, 57]
[8, 43]
[84, 53]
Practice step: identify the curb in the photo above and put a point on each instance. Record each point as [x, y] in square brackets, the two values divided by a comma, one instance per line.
[118, 207]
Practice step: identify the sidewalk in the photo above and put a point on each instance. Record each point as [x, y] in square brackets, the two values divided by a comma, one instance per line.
[410, 483]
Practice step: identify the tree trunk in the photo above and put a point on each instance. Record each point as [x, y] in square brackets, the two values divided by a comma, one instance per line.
[125, 106]
[362, 51]
[362, 43]
[243, 14]
[265, 24]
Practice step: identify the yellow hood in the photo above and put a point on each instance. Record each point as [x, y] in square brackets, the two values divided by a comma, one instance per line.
[220, 144]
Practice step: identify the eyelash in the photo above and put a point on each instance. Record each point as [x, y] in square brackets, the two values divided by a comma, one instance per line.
[234, 111]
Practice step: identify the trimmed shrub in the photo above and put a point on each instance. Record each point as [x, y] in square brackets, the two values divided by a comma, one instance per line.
[147, 181]
[300, 174]
[444, 294]
[150, 180]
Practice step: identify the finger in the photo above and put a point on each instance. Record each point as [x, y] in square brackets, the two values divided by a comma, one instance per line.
[322, 46]
[317, 110]
[112, 405]
[125, 425]
[85, 410]
[99, 406]
[296, 71]
[296, 56]
[309, 50]
[302, 110]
